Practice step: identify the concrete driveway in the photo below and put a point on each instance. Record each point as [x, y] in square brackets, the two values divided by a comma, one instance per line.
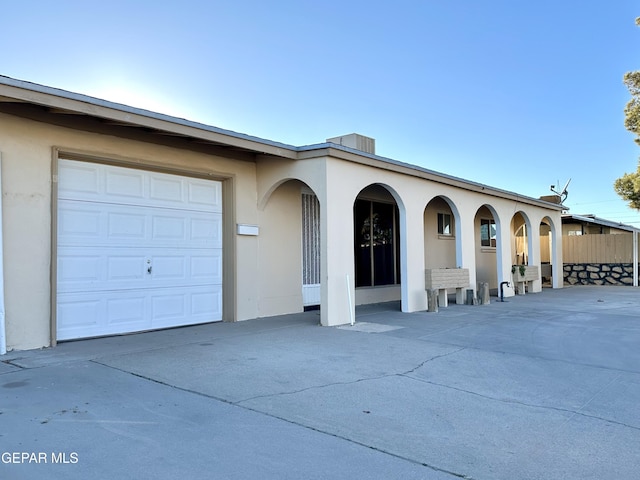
[543, 386]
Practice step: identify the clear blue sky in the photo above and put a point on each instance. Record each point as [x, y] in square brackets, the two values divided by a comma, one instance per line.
[517, 95]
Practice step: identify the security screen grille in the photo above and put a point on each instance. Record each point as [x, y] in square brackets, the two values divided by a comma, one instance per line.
[310, 240]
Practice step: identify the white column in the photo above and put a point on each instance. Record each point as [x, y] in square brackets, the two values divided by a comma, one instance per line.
[556, 254]
[533, 239]
[337, 259]
[503, 256]
[414, 296]
[466, 245]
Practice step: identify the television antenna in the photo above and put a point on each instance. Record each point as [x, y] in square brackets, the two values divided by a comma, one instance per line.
[564, 193]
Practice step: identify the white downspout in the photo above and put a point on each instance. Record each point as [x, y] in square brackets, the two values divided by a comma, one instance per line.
[3, 338]
[351, 316]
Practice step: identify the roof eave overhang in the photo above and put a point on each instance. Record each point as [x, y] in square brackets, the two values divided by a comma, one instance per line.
[60, 101]
[601, 222]
[64, 102]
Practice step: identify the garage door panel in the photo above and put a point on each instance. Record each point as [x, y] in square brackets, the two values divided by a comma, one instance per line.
[127, 227]
[168, 305]
[125, 268]
[78, 180]
[80, 312]
[187, 307]
[208, 304]
[119, 225]
[84, 269]
[207, 268]
[171, 228]
[98, 313]
[124, 185]
[137, 250]
[126, 310]
[207, 230]
[127, 186]
[170, 267]
[167, 189]
[74, 268]
[78, 222]
[202, 194]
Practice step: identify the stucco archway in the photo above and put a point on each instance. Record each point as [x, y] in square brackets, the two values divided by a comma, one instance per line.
[521, 239]
[442, 239]
[488, 244]
[289, 249]
[379, 226]
[551, 271]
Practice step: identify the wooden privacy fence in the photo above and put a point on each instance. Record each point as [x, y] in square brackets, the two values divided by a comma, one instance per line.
[616, 248]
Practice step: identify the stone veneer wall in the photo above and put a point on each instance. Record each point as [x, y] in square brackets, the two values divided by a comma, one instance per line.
[598, 273]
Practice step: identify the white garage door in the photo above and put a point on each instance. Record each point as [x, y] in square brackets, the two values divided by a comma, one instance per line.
[137, 250]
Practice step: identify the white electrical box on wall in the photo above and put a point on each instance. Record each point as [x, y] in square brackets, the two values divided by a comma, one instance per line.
[251, 230]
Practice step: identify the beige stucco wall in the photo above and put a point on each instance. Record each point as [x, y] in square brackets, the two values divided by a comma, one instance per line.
[280, 251]
[486, 257]
[262, 194]
[344, 180]
[26, 209]
[27, 149]
[439, 250]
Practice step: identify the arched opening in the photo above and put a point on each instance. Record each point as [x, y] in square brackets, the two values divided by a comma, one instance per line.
[547, 243]
[442, 245]
[520, 237]
[310, 249]
[443, 252]
[487, 228]
[289, 250]
[377, 254]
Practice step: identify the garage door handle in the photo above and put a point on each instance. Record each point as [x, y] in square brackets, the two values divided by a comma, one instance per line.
[149, 269]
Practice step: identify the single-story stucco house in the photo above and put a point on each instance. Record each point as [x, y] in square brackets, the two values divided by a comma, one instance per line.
[117, 219]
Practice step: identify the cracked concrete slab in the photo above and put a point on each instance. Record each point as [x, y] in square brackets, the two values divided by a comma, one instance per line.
[156, 340]
[536, 382]
[543, 386]
[121, 426]
[273, 363]
[473, 436]
[7, 367]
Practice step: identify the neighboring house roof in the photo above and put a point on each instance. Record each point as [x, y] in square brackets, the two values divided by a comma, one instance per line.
[593, 220]
[44, 103]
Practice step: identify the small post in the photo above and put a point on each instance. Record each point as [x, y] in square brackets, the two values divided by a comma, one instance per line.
[471, 299]
[432, 300]
[443, 299]
[483, 293]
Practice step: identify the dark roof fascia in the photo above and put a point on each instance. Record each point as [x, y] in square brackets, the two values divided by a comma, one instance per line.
[601, 221]
[83, 104]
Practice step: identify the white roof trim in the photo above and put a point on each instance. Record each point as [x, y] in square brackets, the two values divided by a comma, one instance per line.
[240, 140]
